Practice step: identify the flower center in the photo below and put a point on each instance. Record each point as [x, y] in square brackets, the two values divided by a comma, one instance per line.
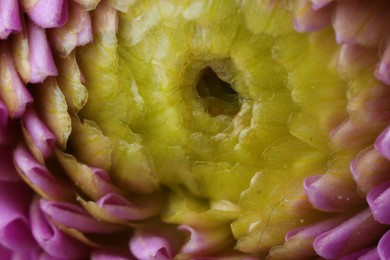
[217, 95]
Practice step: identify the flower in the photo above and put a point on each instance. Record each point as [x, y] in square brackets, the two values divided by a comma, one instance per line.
[199, 129]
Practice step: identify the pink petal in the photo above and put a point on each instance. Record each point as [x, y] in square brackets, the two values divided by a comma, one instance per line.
[127, 210]
[317, 4]
[15, 232]
[73, 216]
[313, 230]
[358, 232]
[308, 19]
[51, 239]
[154, 243]
[370, 22]
[382, 72]
[38, 175]
[42, 137]
[382, 143]
[76, 32]
[9, 18]
[368, 174]
[203, 241]
[327, 193]
[47, 13]
[40, 57]
[379, 201]
[383, 246]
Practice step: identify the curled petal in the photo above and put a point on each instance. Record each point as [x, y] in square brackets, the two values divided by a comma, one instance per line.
[40, 57]
[370, 22]
[76, 32]
[122, 208]
[75, 217]
[38, 176]
[379, 201]
[9, 18]
[307, 19]
[47, 13]
[8, 171]
[70, 82]
[383, 246]
[51, 239]
[205, 241]
[353, 58]
[42, 139]
[318, 4]
[356, 233]
[299, 242]
[12, 91]
[382, 72]
[369, 169]
[382, 143]
[330, 194]
[15, 232]
[94, 182]
[155, 243]
[350, 135]
[53, 110]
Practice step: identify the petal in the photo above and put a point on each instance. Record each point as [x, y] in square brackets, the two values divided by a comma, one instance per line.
[12, 91]
[42, 138]
[353, 58]
[146, 207]
[299, 242]
[205, 241]
[51, 239]
[382, 143]
[382, 71]
[47, 13]
[40, 56]
[369, 169]
[15, 232]
[307, 19]
[356, 233]
[369, 26]
[75, 217]
[9, 18]
[330, 193]
[383, 246]
[379, 201]
[76, 32]
[38, 176]
[53, 110]
[154, 243]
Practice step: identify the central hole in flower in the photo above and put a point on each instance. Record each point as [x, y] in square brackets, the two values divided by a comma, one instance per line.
[217, 95]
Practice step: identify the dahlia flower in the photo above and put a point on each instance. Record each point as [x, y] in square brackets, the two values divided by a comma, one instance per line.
[194, 129]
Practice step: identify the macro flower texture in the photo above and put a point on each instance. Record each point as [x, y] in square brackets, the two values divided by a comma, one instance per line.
[194, 129]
